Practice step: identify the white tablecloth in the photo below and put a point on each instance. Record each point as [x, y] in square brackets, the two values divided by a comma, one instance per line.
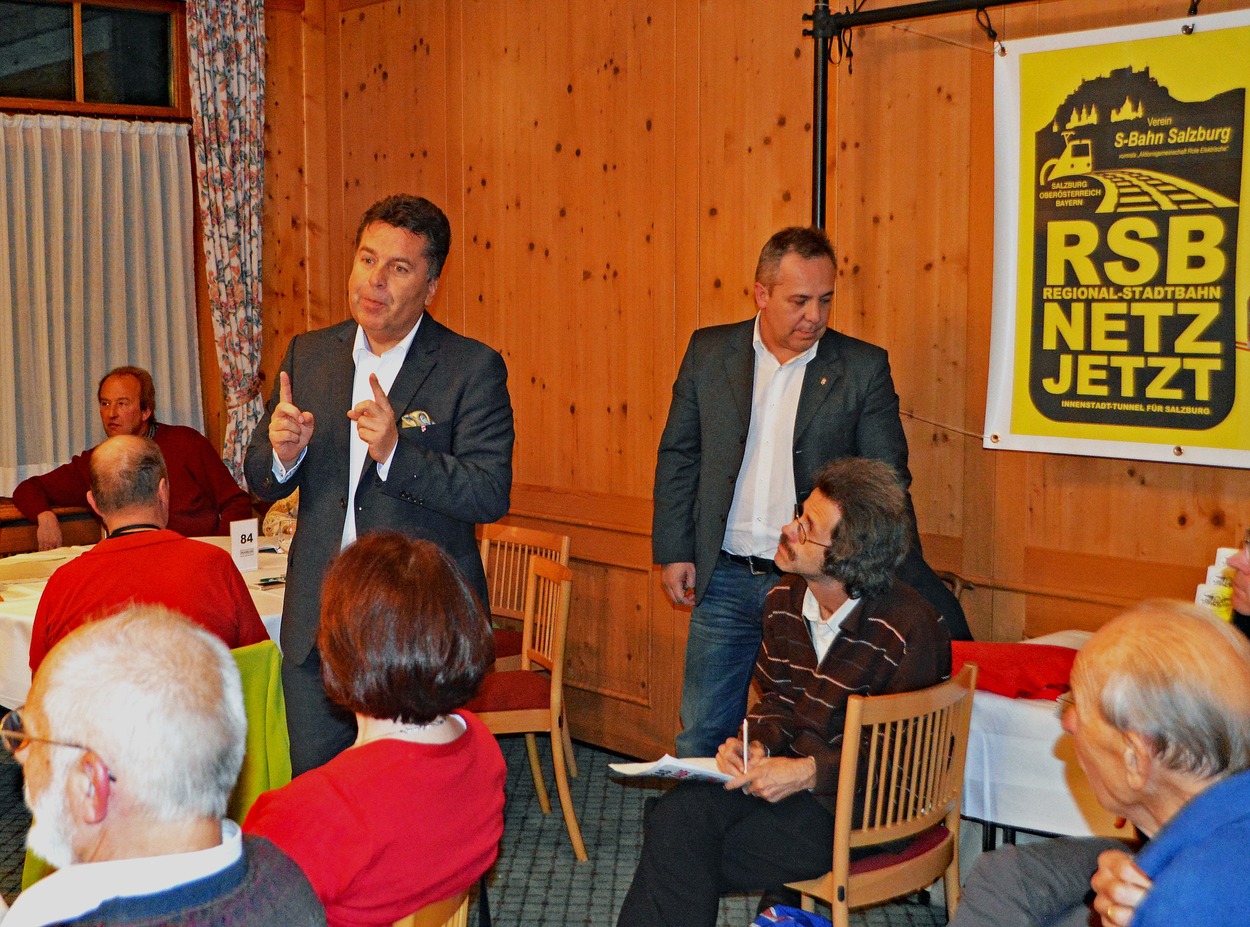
[1022, 770]
[22, 580]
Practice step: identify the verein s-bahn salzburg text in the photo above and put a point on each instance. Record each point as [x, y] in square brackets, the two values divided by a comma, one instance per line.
[1121, 262]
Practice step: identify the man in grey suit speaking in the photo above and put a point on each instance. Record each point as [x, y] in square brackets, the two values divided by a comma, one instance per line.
[390, 421]
[758, 407]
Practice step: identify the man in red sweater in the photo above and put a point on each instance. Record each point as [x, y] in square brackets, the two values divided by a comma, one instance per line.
[204, 498]
[142, 561]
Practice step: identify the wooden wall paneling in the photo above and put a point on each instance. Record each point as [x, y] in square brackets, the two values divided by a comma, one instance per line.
[567, 262]
[457, 310]
[902, 223]
[388, 131]
[284, 258]
[755, 137]
[322, 160]
[567, 181]
[392, 125]
[979, 490]
[673, 334]
[619, 667]
[295, 210]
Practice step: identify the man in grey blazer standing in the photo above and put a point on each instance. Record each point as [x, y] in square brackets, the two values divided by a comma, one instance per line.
[390, 421]
[758, 407]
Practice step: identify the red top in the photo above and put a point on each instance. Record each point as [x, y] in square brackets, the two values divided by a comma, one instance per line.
[150, 567]
[203, 496]
[391, 826]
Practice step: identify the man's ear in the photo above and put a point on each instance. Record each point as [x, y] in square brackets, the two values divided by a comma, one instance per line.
[1138, 760]
[91, 502]
[89, 788]
[761, 295]
[162, 492]
[431, 287]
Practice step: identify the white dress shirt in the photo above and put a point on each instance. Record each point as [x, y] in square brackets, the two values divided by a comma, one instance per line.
[81, 888]
[824, 631]
[386, 365]
[764, 494]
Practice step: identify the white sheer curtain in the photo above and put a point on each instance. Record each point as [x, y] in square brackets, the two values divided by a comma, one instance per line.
[96, 270]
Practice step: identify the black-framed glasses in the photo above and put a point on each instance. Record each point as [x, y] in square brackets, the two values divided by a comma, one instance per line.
[13, 734]
[803, 538]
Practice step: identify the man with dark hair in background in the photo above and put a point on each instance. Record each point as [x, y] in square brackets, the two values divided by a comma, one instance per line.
[387, 421]
[204, 498]
[758, 407]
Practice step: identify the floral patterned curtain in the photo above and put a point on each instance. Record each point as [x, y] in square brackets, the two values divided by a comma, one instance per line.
[226, 42]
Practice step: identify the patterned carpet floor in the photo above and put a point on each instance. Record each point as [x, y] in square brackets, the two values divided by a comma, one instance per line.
[537, 881]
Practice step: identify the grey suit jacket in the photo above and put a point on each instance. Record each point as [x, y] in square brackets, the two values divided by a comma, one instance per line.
[847, 408]
[444, 478]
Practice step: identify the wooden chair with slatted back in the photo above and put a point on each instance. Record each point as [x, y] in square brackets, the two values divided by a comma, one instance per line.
[530, 700]
[450, 912]
[904, 756]
[506, 552]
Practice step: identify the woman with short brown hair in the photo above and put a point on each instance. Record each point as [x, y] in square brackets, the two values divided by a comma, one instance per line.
[404, 643]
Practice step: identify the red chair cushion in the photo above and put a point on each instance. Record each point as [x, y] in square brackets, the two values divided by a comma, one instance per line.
[514, 690]
[507, 643]
[1016, 670]
[920, 844]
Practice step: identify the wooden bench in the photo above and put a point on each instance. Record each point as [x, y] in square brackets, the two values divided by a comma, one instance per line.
[19, 536]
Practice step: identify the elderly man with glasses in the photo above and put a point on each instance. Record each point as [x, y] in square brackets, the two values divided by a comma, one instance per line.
[131, 744]
[838, 624]
[1160, 721]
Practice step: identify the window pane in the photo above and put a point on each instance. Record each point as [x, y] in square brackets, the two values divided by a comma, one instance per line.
[125, 56]
[36, 51]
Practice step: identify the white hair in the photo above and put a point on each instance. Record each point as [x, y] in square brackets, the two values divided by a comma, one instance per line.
[1178, 676]
[158, 698]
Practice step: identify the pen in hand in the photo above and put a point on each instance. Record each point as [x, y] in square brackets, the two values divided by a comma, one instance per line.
[745, 748]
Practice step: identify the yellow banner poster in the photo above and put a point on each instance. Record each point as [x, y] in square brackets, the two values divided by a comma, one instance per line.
[1122, 247]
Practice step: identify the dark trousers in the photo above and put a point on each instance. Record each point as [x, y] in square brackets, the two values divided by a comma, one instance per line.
[700, 841]
[319, 729]
[1042, 884]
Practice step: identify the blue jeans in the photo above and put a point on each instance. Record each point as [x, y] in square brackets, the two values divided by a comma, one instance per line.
[726, 628]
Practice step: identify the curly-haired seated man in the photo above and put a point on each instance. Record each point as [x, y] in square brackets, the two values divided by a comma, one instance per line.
[131, 744]
[839, 624]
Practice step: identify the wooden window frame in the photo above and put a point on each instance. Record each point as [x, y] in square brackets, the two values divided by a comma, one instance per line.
[179, 68]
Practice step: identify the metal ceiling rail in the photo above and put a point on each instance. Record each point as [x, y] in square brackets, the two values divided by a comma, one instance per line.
[890, 14]
[827, 26]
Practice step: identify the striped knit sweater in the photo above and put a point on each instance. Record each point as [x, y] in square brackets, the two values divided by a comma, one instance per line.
[896, 642]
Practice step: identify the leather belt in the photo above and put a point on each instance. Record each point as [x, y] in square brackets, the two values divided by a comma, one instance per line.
[757, 565]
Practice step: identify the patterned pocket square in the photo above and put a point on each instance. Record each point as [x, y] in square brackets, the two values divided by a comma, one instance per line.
[419, 419]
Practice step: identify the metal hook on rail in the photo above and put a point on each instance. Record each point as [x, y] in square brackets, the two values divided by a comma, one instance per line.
[1188, 28]
[983, 20]
[845, 51]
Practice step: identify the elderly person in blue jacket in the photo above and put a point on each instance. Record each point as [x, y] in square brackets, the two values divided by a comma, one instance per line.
[1161, 722]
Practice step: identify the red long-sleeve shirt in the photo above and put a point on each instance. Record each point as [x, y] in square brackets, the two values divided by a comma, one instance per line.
[203, 496]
